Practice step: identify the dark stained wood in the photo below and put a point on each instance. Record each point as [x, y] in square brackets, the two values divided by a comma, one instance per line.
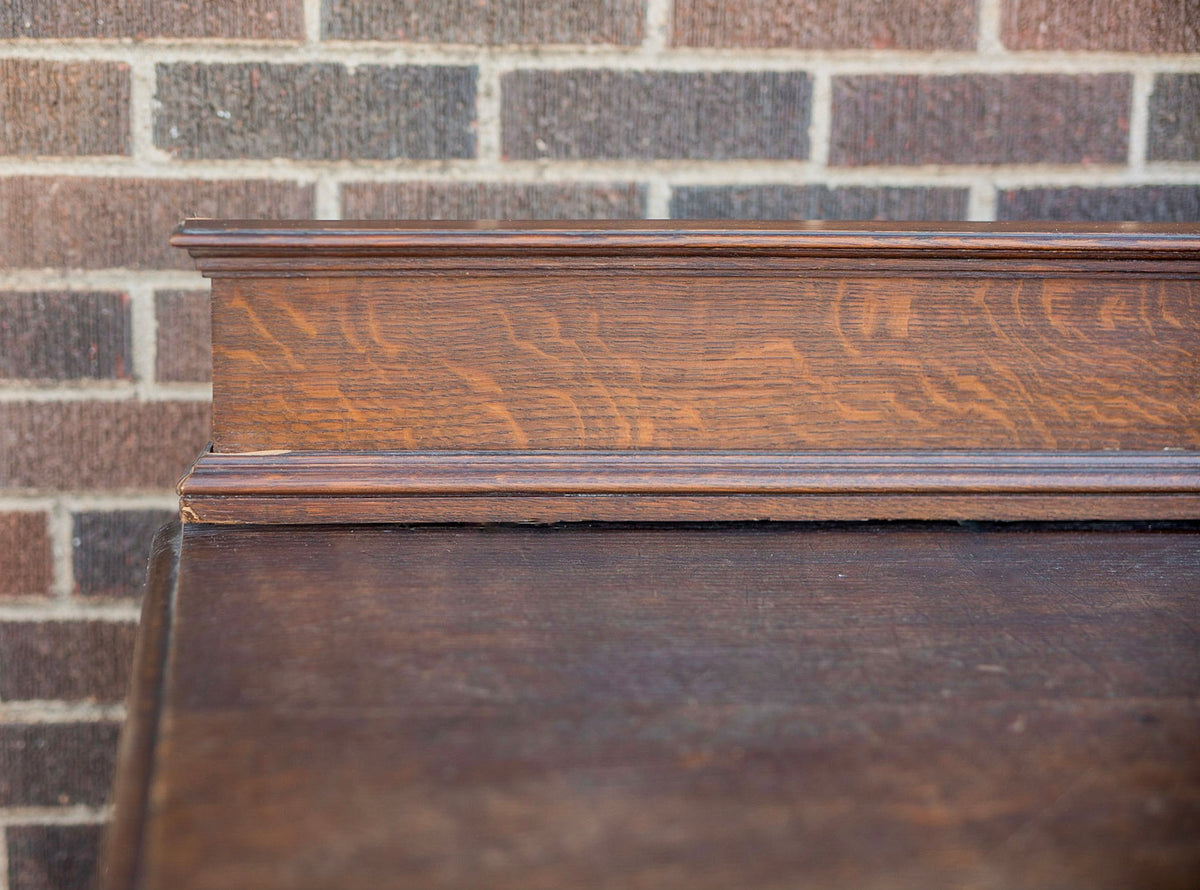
[556, 485]
[123, 846]
[775, 705]
[420, 349]
[344, 701]
[317, 509]
[223, 247]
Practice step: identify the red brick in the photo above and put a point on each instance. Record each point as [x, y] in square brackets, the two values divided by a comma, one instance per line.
[326, 111]
[102, 445]
[488, 200]
[66, 660]
[64, 336]
[95, 223]
[110, 550]
[256, 19]
[53, 857]
[819, 24]
[184, 335]
[26, 566]
[64, 108]
[56, 764]
[1146, 203]
[1139, 26]
[594, 113]
[494, 22]
[1175, 118]
[980, 119]
[816, 202]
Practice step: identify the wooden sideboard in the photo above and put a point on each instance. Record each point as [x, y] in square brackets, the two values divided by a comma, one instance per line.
[679, 555]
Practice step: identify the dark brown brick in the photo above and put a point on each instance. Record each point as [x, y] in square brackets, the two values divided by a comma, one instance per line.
[67, 660]
[1175, 117]
[102, 445]
[665, 114]
[64, 336]
[980, 119]
[56, 764]
[53, 857]
[816, 202]
[184, 335]
[111, 549]
[63, 108]
[256, 110]
[257, 19]
[1150, 203]
[1139, 26]
[95, 223]
[495, 22]
[488, 200]
[26, 558]
[818, 24]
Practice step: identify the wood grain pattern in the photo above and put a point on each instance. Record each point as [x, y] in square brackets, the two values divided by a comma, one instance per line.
[223, 247]
[692, 363]
[700, 706]
[546, 486]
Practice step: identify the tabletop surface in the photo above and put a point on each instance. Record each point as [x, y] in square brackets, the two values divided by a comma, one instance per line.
[756, 705]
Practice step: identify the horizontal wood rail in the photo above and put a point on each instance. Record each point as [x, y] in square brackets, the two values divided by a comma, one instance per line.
[535, 372]
[529, 486]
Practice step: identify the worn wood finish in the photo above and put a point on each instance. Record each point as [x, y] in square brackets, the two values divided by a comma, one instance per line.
[558, 485]
[679, 706]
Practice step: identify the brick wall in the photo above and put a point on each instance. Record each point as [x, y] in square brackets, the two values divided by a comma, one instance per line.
[118, 117]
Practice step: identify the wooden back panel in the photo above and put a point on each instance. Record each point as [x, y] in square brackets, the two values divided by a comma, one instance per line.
[594, 355]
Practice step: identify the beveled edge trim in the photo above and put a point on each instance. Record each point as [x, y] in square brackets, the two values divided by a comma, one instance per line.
[601, 484]
[225, 247]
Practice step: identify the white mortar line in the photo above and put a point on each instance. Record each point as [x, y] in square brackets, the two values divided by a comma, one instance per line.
[1139, 119]
[990, 27]
[143, 335]
[327, 199]
[116, 279]
[312, 22]
[20, 504]
[656, 37]
[488, 111]
[61, 531]
[144, 500]
[142, 105]
[75, 390]
[560, 170]
[569, 56]
[26, 712]
[658, 198]
[981, 202]
[165, 168]
[76, 815]
[75, 610]
[820, 124]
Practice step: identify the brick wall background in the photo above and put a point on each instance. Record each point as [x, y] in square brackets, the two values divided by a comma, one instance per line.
[119, 117]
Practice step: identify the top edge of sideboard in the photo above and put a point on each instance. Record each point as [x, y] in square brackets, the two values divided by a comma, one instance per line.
[212, 243]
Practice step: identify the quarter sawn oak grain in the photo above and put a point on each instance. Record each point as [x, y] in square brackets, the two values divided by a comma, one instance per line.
[389, 342]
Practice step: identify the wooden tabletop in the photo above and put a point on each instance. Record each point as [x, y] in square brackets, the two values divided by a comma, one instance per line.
[726, 706]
